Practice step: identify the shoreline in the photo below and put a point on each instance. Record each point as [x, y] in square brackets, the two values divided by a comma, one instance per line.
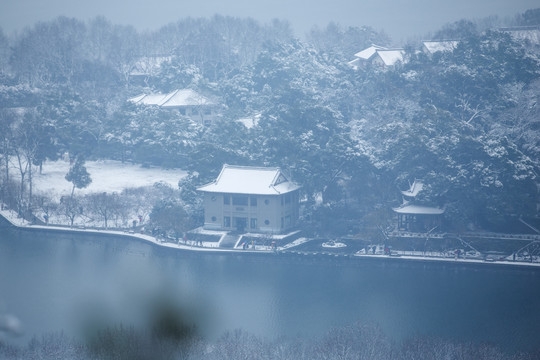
[283, 250]
[24, 225]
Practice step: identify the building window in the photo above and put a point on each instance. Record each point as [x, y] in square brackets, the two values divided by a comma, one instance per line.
[287, 221]
[288, 198]
[214, 219]
[226, 199]
[282, 222]
[266, 202]
[253, 201]
[227, 221]
[213, 198]
[266, 222]
[253, 223]
[240, 200]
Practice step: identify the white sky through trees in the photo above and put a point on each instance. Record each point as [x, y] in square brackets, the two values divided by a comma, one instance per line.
[398, 18]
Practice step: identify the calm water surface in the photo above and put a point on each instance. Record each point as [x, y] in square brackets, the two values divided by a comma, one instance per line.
[63, 282]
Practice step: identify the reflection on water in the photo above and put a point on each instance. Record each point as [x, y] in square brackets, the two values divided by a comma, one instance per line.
[74, 283]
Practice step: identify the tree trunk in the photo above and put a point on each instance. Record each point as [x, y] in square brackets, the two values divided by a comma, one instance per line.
[29, 185]
[6, 182]
[23, 174]
[6, 158]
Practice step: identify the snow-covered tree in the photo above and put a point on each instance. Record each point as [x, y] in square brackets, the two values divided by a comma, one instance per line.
[78, 175]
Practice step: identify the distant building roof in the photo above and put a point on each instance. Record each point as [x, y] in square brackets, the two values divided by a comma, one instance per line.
[529, 33]
[387, 57]
[354, 63]
[177, 98]
[408, 207]
[390, 57]
[520, 28]
[434, 46]
[152, 99]
[366, 54]
[250, 180]
[418, 210]
[414, 189]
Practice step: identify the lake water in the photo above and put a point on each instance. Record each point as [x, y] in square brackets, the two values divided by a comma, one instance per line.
[68, 282]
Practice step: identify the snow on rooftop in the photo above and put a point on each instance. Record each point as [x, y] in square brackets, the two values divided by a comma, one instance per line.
[443, 45]
[415, 188]
[153, 99]
[177, 98]
[185, 97]
[136, 99]
[369, 52]
[354, 63]
[390, 57]
[418, 210]
[250, 180]
[531, 34]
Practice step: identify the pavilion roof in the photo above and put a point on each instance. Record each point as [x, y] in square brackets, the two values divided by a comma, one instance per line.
[414, 189]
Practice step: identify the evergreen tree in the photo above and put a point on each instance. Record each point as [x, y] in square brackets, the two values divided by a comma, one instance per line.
[78, 175]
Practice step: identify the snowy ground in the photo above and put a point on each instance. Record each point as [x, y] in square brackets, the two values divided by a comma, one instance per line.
[296, 242]
[107, 176]
[12, 217]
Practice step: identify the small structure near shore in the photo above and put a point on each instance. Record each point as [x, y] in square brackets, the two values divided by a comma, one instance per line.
[333, 244]
[251, 199]
[416, 217]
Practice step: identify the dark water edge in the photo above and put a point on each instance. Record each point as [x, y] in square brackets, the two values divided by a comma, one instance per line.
[55, 281]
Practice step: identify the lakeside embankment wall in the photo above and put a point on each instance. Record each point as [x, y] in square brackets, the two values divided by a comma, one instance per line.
[6, 223]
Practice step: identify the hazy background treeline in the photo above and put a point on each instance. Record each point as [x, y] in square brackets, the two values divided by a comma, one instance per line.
[467, 122]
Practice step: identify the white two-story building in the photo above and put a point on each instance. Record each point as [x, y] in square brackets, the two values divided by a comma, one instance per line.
[251, 199]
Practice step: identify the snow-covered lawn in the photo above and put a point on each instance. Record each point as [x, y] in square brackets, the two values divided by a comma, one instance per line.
[107, 176]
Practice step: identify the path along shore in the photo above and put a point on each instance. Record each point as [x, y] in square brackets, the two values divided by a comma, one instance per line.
[11, 217]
